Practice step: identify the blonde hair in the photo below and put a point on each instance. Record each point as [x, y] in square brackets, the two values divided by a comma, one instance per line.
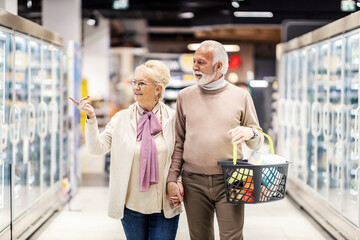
[157, 71]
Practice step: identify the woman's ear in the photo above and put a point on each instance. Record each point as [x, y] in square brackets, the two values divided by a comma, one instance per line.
[158, 89]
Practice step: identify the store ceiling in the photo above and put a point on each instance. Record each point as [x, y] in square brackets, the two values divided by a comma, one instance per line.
[212, 18]
[208, 12]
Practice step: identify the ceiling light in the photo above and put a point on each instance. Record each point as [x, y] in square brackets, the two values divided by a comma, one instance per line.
[235, 4]
[348, 6]
[259, 84]
[228, 48]
[29, 3]
[93, 20]
[254, 14]
[120, 4]
[186, 15]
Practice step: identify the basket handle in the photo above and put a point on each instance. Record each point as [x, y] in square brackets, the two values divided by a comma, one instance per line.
[270, 142]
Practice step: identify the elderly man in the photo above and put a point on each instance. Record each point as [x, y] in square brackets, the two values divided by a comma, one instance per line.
[210, 117]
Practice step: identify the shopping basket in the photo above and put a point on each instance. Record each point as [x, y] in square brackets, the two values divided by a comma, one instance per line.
[256, 181]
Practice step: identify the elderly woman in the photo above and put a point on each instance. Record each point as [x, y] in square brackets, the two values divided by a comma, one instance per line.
[141, 140]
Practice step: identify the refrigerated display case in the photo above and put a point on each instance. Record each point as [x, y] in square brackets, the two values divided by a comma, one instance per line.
[30, 143]
[72, 141]
[319, 123]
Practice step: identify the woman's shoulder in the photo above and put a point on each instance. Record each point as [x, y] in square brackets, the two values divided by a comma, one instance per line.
[169, 110]
[124, 112]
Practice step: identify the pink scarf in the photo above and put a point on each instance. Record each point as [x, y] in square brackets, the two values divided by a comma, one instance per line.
[148, 126]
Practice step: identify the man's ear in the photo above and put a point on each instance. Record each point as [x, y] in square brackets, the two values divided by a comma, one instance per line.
[219, 66]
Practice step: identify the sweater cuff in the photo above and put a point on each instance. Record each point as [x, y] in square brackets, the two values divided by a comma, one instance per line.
[172, 177]
[91, 120]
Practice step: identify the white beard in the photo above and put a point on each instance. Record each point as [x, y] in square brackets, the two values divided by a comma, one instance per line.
[205, 79]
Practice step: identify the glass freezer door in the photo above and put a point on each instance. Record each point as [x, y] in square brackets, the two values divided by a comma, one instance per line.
[335, 148]
[56, 121]
[350, 203]
[5, 153]
[54, 113]
[35, 143]
[311, 79]
[20, 138]
[318, 106]
[47, 94]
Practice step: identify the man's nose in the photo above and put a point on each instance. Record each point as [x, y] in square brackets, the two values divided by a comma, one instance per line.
[195, 67]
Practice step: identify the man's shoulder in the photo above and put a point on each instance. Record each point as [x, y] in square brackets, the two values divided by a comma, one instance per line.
[231, 87]
[189, 90]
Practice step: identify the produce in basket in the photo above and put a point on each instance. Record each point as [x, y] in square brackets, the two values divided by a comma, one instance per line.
[239, 175]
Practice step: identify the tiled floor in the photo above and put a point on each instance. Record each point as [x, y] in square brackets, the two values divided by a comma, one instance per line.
[85, 217]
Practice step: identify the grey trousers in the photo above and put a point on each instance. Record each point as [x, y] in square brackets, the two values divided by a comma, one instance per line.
[204, 195]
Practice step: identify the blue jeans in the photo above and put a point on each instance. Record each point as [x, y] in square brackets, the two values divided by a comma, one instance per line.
[138, 226]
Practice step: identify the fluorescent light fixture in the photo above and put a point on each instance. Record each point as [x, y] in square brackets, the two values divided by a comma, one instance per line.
[348, 6]
[259, 84]
[91, 22]
[253, 14]
[29, 3]
[120, 4]
[235, 4]
[228, 48]
[186, 15]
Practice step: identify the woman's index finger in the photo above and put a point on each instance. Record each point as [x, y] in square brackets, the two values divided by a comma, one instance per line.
[73, 100]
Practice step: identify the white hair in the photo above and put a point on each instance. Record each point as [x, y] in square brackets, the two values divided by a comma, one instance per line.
[220, 54]
[157, 71]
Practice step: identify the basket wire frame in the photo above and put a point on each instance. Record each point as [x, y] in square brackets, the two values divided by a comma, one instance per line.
[247, 183]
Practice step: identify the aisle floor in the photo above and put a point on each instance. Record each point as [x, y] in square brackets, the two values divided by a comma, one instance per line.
[85, 216]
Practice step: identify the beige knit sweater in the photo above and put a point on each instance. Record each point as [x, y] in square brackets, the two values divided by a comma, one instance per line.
[203, 118]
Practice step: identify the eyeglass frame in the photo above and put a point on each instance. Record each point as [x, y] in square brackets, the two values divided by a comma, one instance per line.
[141, 84]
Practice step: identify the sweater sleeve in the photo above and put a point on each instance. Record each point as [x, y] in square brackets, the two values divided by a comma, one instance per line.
[98, 143]
[180, 130]
[250, 119]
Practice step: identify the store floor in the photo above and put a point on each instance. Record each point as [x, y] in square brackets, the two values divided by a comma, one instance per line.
[85, 217]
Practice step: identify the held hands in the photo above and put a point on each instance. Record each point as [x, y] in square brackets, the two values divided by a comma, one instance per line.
[84, 105]
[241, 134]
[175, 192]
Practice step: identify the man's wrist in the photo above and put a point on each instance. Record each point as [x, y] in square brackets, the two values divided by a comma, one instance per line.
[255, 132]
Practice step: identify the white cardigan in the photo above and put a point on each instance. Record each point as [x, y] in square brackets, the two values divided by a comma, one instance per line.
[119, 136]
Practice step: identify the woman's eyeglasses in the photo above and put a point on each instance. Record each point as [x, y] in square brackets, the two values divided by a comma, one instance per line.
[141, 84]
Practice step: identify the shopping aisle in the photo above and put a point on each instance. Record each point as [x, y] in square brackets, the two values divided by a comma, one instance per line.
[85, 217]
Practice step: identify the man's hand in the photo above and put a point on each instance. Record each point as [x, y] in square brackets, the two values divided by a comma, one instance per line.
[175, 192]
[241, 134]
